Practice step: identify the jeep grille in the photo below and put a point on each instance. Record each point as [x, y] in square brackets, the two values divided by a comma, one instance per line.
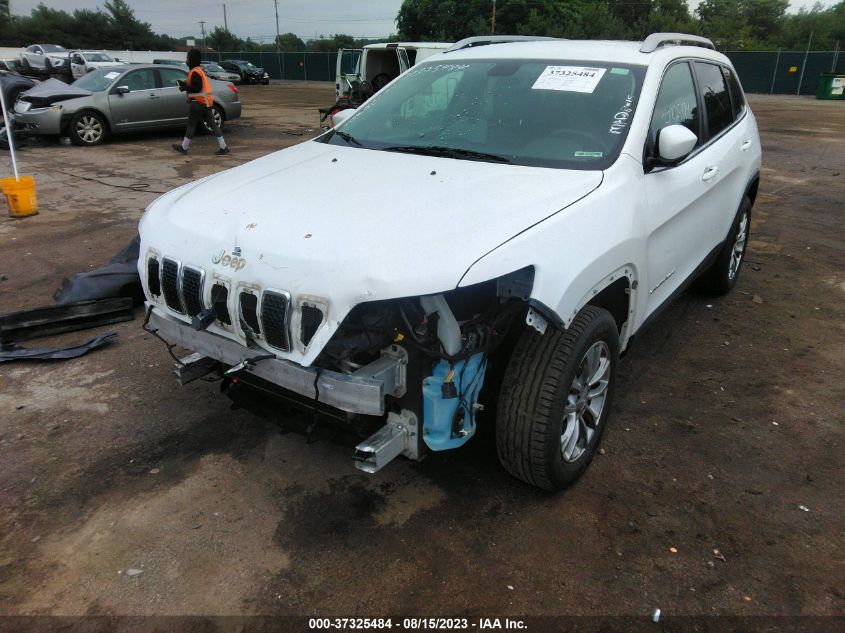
[274, 319]
[170, 285]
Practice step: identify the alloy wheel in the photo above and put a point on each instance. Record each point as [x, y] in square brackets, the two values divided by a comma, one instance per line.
[585, 402]
[89, 129]
[738, 247]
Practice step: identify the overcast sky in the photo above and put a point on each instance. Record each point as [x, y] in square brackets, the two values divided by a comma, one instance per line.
[256, 18]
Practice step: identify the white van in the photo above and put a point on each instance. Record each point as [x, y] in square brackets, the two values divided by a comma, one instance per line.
[361, 72]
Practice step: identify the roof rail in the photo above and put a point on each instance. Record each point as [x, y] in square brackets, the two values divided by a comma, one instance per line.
[656, 40]
[483, 40]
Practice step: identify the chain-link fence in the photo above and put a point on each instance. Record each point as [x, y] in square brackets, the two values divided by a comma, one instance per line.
[296, 66]
[784, 72]
[770, 72]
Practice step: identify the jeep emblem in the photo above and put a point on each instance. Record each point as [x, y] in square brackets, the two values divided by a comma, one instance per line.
[233, 260]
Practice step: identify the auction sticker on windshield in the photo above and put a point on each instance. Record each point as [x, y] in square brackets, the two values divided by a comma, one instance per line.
[569, 78]
[111, 75]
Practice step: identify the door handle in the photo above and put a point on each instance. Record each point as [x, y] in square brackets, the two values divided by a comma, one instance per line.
[746, 145]
[709, 173]
[153, 95]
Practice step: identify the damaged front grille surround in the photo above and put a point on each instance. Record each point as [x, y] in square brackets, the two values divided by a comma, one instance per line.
[263, 315]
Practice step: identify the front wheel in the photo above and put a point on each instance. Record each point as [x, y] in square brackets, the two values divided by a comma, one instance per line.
[722, 275]
[555, 400]
[87, 128]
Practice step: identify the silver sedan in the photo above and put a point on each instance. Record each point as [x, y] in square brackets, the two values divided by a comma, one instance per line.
[116, 100]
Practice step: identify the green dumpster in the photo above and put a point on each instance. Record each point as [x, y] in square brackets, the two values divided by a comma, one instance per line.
[831, 86]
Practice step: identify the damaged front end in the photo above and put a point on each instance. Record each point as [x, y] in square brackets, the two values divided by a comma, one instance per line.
[405, 373]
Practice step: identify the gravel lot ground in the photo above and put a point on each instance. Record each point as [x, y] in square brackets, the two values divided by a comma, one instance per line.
[728, 434]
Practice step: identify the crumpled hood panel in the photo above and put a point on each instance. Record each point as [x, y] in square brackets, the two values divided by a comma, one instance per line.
[53, 90]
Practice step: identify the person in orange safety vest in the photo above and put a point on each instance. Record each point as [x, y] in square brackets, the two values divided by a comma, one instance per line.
[200, 105]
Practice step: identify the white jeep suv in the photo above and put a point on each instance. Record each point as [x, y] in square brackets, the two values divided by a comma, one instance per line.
[494, 226]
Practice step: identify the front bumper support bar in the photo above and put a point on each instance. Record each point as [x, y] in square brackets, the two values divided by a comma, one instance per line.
[361, 393]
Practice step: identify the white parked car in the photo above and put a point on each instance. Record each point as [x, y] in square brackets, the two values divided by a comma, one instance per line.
[47, 57]
[83, 62]
[502, 220]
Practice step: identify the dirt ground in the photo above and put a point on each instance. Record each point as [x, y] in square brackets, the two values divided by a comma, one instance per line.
[728, 434]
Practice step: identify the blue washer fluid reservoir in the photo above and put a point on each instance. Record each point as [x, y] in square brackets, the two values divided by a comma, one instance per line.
[441, 431]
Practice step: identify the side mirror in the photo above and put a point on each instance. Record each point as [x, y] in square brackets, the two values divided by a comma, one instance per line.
[674, 143]
[121, 90]
[340, 117]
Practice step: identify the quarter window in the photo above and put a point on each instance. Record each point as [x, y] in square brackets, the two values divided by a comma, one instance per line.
[717, 100]
[737, 98]
[676, 103]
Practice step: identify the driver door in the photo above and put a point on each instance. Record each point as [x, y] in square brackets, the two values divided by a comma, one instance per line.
[141, 106]
[77, 65]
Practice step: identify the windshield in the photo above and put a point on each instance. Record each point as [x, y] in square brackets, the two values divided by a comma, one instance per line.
[97, 57]
[249, 64]
[214, 68]
[97, 80]
[53, 48]
[563, 114]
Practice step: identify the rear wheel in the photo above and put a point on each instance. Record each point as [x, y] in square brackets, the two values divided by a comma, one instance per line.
[555, 400]
[87, 128]
[217, 112]
[722, 276]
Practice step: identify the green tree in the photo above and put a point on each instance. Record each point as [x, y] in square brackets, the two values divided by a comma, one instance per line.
[290, 43]
[222, 40]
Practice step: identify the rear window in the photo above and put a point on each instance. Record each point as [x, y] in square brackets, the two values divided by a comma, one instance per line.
[717, 99]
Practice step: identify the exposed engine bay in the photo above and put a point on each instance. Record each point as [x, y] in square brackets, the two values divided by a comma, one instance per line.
[443, 343]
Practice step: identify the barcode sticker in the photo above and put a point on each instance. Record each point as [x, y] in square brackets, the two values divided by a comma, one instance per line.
[569, 78]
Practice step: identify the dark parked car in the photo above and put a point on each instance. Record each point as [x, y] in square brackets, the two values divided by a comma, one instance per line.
[249, 73]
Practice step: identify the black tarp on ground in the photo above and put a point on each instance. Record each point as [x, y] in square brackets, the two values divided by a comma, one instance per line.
[118, 278]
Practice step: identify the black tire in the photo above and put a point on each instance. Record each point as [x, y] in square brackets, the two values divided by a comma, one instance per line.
[25, 63]
[221, 120]
[536, 392]
[722, 275]
[380, 81]
[78, 128]
[48, 65]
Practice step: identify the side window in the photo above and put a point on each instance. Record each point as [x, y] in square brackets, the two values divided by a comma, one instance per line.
[143, 79]
[77, 59]
[717, 100]
[676, 103]
[170, 77]
[737, 97]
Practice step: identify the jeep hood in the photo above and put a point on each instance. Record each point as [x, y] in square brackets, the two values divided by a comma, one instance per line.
[351, 225]
[386, 224]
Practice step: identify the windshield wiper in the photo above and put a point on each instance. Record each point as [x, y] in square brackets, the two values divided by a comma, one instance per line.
[447, 152]
[351, 140]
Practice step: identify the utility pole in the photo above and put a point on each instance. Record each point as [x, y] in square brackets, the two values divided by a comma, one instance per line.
[202, 28]
[493, 20]
[225, 22]
[276, 2]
